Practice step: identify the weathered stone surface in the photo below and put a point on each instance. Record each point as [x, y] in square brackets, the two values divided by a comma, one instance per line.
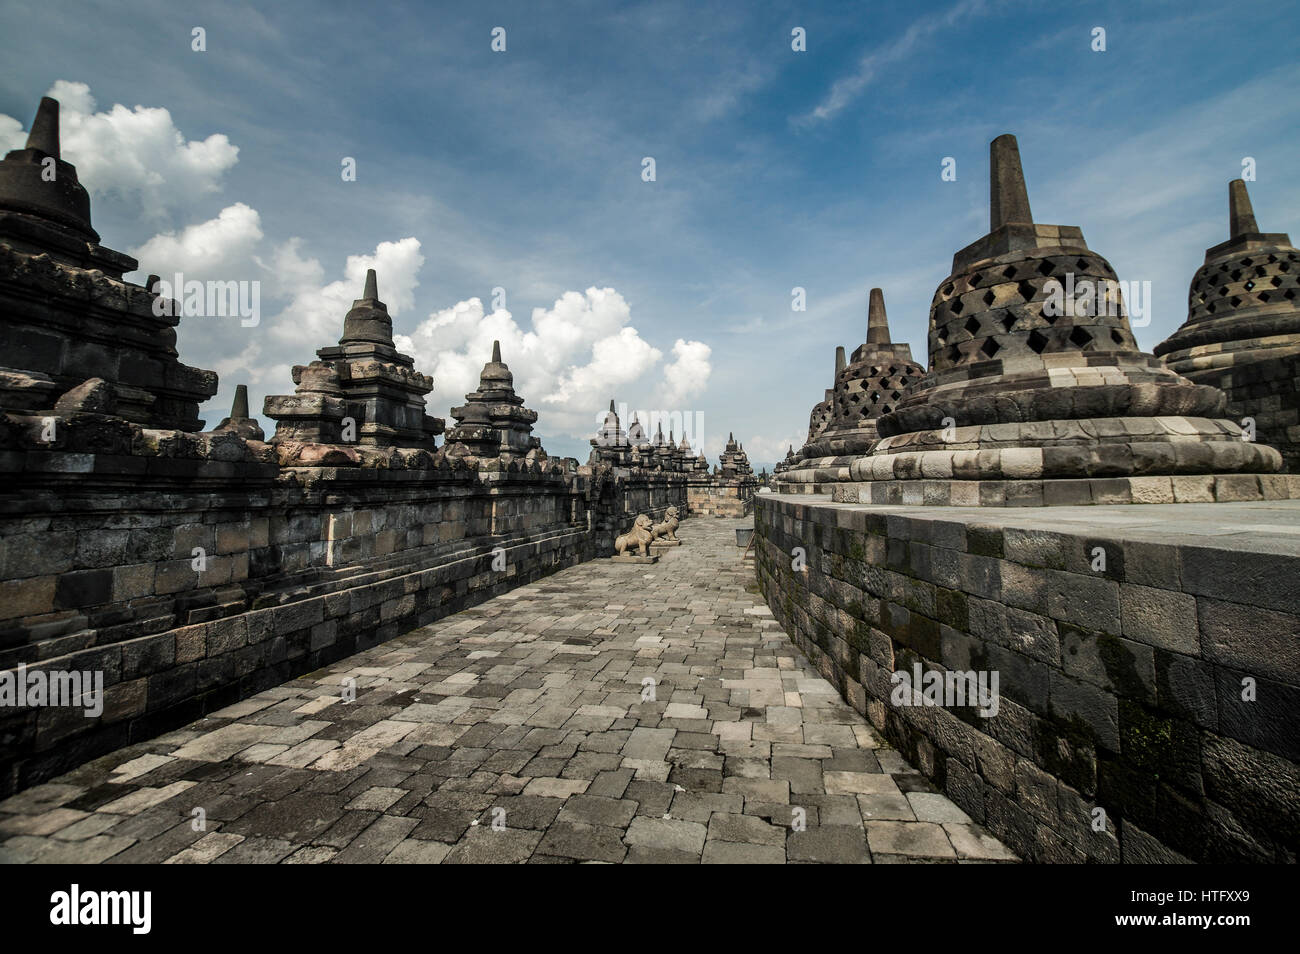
[1122, 664]
[520, 730]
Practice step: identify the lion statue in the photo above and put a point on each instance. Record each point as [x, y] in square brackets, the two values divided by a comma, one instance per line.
[639, 536]
[667, 529]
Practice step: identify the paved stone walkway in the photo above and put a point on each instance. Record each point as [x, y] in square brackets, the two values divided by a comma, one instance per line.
[524, 730]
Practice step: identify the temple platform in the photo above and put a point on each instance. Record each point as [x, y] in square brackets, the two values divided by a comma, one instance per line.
[1148, 662]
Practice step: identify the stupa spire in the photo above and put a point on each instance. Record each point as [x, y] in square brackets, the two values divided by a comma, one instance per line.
[45, 128]
[877, 322]
[1241, 215]
[367, 321]
[1008, 197]
[239, 408]
[239, 422]
[496, 352]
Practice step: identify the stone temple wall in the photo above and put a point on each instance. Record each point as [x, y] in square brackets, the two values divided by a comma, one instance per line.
[300, 567]
[719, 497]
[1121, 687]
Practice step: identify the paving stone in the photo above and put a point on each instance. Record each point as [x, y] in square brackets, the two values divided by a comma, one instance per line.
[745, 829]
[970, 841]
[699, 806]
[413, 851]
[484, 845]
[859, 783]
[583, 842]
[885, 808]
[666, 833]
[597, 810]
[835, 844]
[376, 841]
[917, 839]
[733, 853]
[935, 808]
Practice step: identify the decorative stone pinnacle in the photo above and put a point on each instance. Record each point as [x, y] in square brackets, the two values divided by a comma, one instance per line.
[877, 322]
[1008, 197]
[27, 189]
[368, 320]
[496, 352]
[239, 422]
[45, 128]
[841, 362]
[239, 408]
[1241, 215]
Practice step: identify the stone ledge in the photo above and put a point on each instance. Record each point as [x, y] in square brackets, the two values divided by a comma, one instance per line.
[1189, 488]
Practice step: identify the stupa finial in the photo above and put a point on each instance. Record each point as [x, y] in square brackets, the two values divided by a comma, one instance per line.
[372, 286]
[841, 362]
[877, 323]
[1008, 197]
[1241, 214]
[239, 408]
[496, 352]
[45, 128]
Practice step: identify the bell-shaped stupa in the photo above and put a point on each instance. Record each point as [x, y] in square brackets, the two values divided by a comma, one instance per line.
[493, 421]
[868, 385]
[362, 390]
[1037, 393]
[1242, 332]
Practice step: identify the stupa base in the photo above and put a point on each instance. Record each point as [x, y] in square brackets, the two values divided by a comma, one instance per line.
[1189, 488]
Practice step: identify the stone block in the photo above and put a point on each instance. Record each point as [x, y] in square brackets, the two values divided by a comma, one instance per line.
[82, 588]
[1250, 638]
[232, 538]
[132, 582]
[30, 597]
[191, 642]
[1160, 617]
[1091, 601]
[1085, 708]
[1242, 576]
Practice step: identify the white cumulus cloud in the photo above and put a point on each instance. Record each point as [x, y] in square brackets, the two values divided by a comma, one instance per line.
[212, 249]
[315, 313]
[687, 374]
[571, 360]
[135, 153]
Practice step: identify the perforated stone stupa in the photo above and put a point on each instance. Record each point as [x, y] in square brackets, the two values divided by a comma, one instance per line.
[867, 386]
[1242, 332]
[364, 377]
[1037, 393]
[820, 416]
[493, 421]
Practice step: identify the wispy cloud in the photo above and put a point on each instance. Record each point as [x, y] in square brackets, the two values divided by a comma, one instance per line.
[848, 88]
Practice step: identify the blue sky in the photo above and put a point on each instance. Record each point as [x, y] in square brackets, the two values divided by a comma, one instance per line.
[522, 170]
